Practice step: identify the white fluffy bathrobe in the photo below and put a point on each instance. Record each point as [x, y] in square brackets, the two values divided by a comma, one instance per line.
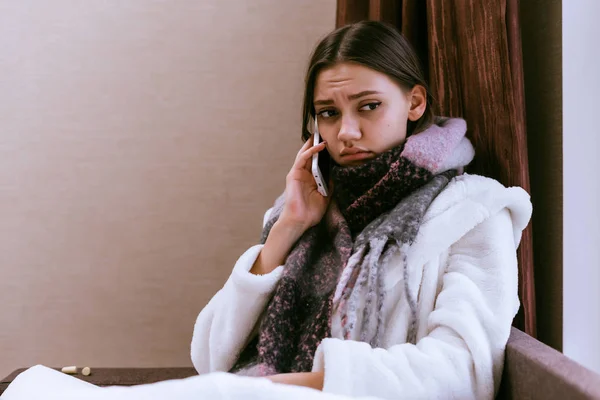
[463, 273]
[463, 270]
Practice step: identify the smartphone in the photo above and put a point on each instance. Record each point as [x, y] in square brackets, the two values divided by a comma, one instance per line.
[320, 164]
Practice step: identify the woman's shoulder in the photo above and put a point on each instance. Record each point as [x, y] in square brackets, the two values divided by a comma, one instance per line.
[481, 190]
[465, 203]
[473, 183]
[468, 194]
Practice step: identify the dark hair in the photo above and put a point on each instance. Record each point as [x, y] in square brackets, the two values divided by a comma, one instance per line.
[375, 45]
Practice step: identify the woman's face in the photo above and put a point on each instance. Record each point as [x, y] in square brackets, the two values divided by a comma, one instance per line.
[362, 113]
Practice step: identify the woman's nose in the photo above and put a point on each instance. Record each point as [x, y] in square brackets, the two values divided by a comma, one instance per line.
[349, 130]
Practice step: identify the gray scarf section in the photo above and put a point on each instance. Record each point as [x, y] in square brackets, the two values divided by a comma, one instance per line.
[391, 233]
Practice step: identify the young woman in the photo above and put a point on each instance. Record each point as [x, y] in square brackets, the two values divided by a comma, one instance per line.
[403, 281]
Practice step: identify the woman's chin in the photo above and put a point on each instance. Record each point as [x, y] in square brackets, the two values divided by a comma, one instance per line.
[353, 163]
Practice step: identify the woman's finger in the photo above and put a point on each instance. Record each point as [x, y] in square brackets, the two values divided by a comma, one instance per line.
[304, 159]
[305, 147]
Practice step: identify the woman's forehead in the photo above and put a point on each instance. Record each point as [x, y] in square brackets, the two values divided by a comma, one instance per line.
[351, 78]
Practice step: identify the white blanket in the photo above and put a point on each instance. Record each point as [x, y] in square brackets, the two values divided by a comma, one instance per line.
[42, 383]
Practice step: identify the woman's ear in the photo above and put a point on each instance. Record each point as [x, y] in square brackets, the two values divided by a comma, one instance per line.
[418, 102]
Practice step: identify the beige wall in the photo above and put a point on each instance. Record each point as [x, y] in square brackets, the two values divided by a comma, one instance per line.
[140, 142]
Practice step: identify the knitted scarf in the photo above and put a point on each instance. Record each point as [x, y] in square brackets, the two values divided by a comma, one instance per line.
[376, 211]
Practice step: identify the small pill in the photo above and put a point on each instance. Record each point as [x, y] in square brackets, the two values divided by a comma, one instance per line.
[86, 371]
[70, 370]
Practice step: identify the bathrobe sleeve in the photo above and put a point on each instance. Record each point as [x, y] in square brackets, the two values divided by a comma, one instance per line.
[225, 324]
[462, 354]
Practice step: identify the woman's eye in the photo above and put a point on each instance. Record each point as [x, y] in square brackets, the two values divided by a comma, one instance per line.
[327, 113]
[370, 106]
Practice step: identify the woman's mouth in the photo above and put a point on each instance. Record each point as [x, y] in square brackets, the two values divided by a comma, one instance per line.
[362, 155]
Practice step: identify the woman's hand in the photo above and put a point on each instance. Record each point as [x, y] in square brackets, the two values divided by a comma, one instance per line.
[309, 379]
[304, 205]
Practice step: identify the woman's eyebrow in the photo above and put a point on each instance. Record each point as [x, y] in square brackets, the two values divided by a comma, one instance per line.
[351, 97]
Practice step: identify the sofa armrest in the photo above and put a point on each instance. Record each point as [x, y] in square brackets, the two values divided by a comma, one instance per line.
[533, 370]
[119, 376]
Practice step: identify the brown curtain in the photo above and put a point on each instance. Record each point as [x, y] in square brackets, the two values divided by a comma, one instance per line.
[471, 51]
